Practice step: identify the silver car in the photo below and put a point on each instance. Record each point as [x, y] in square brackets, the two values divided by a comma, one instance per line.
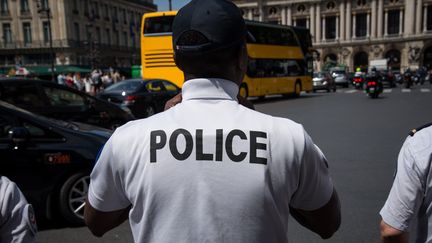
[341, 78]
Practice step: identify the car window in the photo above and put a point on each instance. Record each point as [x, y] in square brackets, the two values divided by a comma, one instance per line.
[127, 86]
[61, 97]
[21, 95]
[155, 86]
[5, 125]
[169, 86]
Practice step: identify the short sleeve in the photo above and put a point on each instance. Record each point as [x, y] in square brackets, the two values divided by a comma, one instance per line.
[106, 192]
[17, 219]
[406, 194]
[315, 185]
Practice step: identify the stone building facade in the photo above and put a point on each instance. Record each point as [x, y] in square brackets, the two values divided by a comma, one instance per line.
[84, 32]
[353, 32]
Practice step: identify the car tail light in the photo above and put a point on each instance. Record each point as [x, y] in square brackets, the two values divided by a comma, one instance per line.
[130, 99]
[371, 83]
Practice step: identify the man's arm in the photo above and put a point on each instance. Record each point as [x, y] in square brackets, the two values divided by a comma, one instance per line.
[101, 222]
[324, 221]
[392, 235]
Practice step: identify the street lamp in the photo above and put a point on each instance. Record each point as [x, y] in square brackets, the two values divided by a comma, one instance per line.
[44, 8]
[170, 4]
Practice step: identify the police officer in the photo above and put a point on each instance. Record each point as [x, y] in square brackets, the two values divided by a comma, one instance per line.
[17, 220]
[411, 194]
[209, 169]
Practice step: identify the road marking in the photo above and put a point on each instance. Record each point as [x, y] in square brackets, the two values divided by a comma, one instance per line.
[425, 90]
[351, 91]
[388, 90]
[406, 90]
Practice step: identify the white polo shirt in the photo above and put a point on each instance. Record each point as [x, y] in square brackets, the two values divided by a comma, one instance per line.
[210, 170]
[17, 220]
[411, 194]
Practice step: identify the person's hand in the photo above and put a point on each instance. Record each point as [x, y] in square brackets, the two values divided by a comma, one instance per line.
[173, 101]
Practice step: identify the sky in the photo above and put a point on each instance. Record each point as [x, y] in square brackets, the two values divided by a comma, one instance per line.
[164, 6]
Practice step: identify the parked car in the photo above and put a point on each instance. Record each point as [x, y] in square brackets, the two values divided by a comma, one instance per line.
[49, 160]
[143, 97]
[323, 81]
[60, 102]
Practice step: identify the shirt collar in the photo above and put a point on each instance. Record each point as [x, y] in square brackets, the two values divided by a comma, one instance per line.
[209, 89]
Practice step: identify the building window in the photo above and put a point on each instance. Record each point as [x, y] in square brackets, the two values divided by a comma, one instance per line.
[361, 25]
[98, 35]
[75, 7]
[331, 5]
[124, 16]
[7, 33]
[27, 33]
[108, 36]
[330, 27]
[4, 7]
[44, 4]
[361, 2]
[429, 18]
[46, 31]
[125, 38]
[301, 22]
[86, 8]
[106, 12]
[25, 6]
[77, 32]
[117, 38]
[88, 33]
[115, 14]
[301, 8]
[393, 22]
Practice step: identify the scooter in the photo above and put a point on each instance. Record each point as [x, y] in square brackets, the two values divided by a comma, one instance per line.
[373, 88]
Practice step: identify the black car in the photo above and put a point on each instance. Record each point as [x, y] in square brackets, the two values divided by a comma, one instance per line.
[143, 97]
[61, 102]
[49, 160]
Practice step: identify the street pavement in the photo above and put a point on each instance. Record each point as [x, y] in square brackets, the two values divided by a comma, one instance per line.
[360, 137]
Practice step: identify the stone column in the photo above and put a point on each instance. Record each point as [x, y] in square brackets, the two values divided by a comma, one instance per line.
[289, 15]
[318, 24]
[342, 20]
[374, 17]
[419, 16]
[380, 18]
[312, 22]
[425, 16]
[409, 17]
[348, 26]
[354, 26]
[324, 28]
[337, 28]
[283, 15]
[386, 23]
[260, 10]
[250, 14]
[368, 27]
[401, 19]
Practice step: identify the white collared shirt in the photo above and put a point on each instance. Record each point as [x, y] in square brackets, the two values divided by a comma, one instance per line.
[210, 170]
[410, 197]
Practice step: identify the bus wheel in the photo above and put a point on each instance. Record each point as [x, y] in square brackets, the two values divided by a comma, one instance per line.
[243, 90]
[297, 89]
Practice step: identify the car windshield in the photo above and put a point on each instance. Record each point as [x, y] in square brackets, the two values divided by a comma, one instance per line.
[338, 73]
[318, 75]
[128, 86]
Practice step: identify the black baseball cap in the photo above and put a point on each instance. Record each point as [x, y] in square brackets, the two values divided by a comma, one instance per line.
[220, 21]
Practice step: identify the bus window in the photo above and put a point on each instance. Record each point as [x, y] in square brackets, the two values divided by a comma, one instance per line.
[272, 36]
[273, 68]
[158, 25]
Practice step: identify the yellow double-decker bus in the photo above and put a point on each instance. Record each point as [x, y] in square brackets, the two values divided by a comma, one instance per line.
[279, 58]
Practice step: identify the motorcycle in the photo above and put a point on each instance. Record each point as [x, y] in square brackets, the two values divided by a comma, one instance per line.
[358, 82]
[373, 88]
[408, 80]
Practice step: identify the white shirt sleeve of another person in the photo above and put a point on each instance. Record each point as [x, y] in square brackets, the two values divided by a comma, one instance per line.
[17, 219]
[315, 186]
[106, 192]
[406, 194]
